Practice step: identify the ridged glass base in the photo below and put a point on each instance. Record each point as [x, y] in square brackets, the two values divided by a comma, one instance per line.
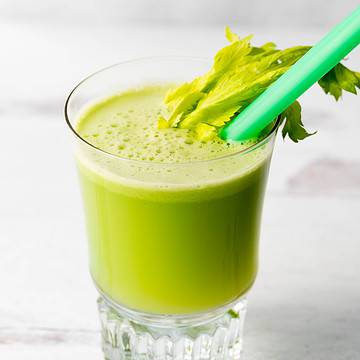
[212, 336]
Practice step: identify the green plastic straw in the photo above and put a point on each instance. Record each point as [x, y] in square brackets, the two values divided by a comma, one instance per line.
[301, 76]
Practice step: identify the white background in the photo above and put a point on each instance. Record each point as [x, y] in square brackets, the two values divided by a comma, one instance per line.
[306, 302]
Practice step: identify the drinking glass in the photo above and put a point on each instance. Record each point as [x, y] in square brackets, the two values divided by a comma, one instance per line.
[173, 247]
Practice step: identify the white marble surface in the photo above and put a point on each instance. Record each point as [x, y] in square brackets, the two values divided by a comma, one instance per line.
[306, 302]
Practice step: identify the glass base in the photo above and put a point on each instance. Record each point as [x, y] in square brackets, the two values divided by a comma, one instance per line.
[211, 336]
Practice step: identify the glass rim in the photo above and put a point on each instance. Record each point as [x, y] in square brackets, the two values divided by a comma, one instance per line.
[244, 151]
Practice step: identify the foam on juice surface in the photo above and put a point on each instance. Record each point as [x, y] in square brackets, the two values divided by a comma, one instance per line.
[126, 125]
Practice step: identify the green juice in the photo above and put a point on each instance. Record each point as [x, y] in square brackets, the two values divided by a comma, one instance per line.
[173, 223]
